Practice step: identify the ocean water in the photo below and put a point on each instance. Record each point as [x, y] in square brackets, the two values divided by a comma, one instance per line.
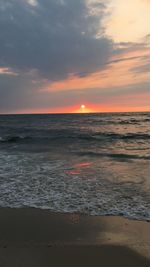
[98, 164]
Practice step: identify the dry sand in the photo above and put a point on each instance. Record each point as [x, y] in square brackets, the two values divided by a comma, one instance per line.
[31, 237]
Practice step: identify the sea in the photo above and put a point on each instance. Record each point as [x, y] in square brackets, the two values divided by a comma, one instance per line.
[95, 164]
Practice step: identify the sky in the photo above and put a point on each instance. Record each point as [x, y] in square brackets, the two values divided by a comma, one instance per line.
[56, 55]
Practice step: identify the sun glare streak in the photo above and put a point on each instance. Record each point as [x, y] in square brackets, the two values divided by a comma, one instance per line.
[79, 168]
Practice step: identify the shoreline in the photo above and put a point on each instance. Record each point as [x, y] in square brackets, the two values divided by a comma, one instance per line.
[69, 213]
[27, 234]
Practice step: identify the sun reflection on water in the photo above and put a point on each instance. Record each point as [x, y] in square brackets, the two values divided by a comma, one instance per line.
[79, 167]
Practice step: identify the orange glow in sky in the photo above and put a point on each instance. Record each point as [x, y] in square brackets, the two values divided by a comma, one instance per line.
[92, 108]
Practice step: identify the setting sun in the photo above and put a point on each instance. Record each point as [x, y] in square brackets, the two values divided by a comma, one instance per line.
[82, 107]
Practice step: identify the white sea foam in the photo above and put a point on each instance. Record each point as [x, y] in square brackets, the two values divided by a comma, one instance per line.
[35, 180]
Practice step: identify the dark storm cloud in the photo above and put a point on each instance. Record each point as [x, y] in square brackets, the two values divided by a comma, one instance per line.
[17, 92]
[54, 37]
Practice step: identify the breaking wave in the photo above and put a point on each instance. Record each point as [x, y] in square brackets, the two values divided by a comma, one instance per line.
[64, 135]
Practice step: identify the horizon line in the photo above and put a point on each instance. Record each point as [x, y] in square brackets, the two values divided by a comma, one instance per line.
[73, 113]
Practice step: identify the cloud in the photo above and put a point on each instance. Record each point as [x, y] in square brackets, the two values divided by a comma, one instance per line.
[125, 98]
[54, 37]
[30, 98]
[7, 71]
[55, 53]
[142, 68]
[32, 2]
[16, 92]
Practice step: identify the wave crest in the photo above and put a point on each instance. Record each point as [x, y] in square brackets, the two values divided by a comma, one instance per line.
[64, 135]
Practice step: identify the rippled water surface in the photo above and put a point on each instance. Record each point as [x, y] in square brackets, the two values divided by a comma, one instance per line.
[92, 163]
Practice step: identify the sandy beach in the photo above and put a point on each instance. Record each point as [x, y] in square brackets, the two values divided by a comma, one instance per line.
[32, 237]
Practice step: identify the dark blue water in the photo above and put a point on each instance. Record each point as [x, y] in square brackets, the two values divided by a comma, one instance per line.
[92, 163]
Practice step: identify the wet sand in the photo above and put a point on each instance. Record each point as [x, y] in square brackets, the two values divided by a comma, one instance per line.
[31, 237]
